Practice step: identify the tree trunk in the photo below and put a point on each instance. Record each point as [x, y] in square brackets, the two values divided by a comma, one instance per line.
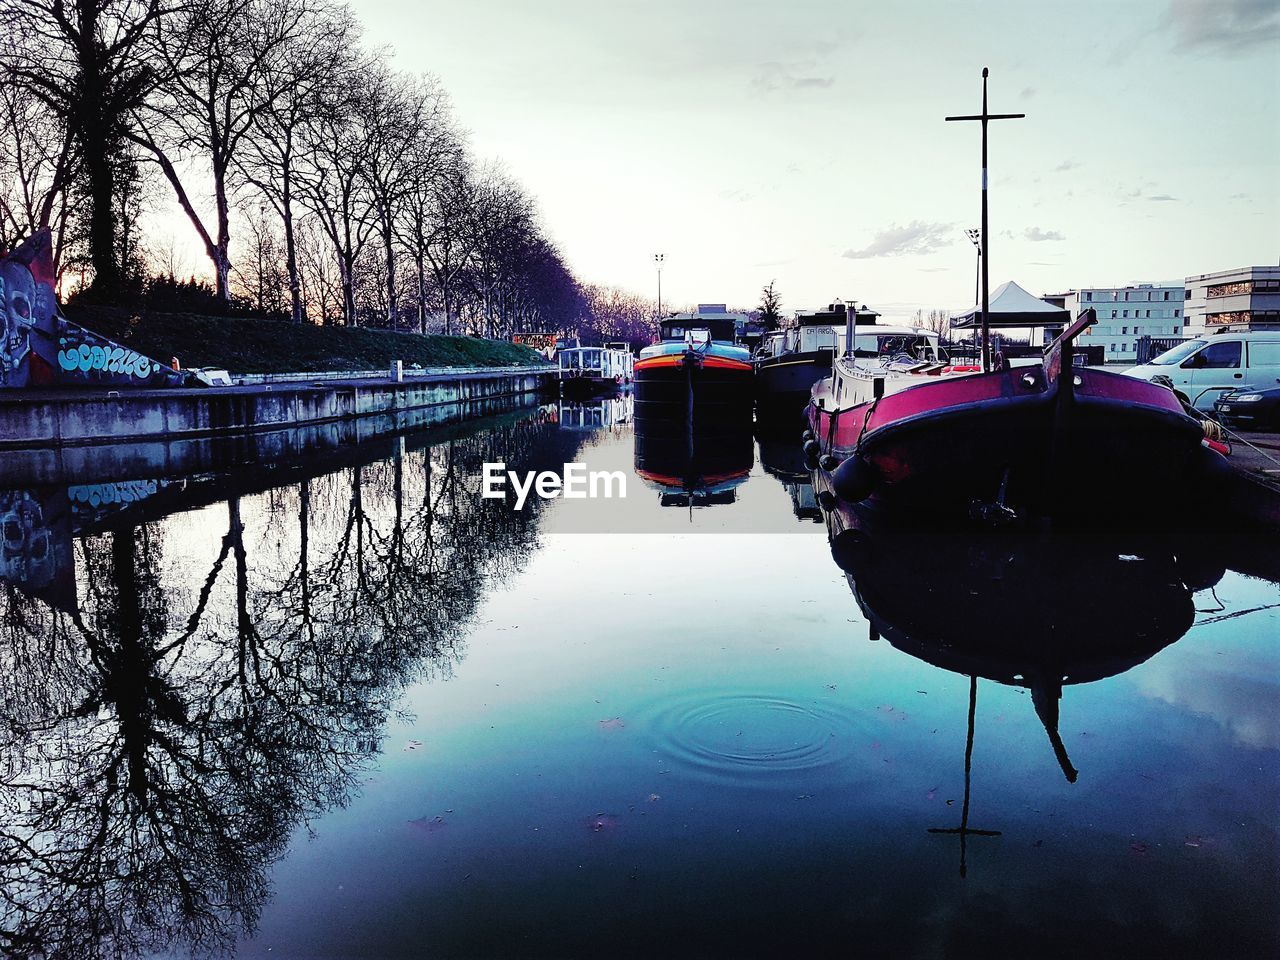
[422, 294]
[348, 290]
[102, 216]
[291, 252]
[221, 258]
[389, 253]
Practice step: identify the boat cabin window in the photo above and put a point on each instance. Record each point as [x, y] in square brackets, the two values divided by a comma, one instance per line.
[722, 330]
[1216, 356]
[817, 338]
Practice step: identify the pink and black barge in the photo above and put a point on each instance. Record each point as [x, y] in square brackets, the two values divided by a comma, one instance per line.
[1007, 442]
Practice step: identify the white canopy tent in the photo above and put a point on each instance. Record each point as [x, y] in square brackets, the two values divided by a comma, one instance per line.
[1011, 306]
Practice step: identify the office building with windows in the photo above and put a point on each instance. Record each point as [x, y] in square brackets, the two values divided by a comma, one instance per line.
[1127, 313]
[1247, 298]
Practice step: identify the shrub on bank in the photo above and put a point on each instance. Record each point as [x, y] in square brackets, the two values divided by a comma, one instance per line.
[254, 345]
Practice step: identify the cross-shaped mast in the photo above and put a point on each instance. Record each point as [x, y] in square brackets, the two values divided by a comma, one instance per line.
[985, 248]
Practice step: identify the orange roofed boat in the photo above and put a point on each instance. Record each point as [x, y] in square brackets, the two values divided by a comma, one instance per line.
[697, 373]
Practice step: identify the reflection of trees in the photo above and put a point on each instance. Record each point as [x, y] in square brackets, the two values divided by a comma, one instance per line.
[159, 744]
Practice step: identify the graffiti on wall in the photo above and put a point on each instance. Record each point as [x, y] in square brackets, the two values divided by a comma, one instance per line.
[544, 343]
[40, 347]
[85, 355]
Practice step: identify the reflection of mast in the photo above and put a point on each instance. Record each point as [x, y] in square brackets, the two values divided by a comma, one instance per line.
[964, 829]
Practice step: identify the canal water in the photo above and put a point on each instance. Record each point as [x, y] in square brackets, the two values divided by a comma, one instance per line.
[349, 707]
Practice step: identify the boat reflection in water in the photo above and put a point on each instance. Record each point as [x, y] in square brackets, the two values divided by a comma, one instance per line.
[1041, 613]
[698, 469]
[783, 459]
[594, 415]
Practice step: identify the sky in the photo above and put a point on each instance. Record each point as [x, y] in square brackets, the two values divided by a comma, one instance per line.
[803, 142]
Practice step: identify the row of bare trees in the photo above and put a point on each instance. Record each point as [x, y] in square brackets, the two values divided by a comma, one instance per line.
[319, 180]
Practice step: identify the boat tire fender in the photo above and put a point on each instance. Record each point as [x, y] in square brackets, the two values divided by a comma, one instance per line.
[854, 480]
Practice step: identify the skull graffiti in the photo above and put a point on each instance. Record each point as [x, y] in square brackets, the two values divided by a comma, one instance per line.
[18, 297]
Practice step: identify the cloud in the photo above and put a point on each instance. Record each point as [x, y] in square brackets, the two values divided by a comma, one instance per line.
[916, 237]
[1162, 196]
[799, 75]
[1066, 165]
[1224, 26]
[1036, 235]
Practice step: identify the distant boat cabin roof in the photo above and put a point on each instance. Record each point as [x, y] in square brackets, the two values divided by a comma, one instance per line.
[710, 311]
[835, 315]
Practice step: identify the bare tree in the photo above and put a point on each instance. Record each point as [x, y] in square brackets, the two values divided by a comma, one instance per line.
[294, 82]
[443, 206]
[217, 57]
[938, 321]
[90, 63]
[318, 277]
[397, 114]
[36, 163]
[334, 159]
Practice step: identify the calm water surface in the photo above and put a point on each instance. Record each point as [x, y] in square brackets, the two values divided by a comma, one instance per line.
[351, 709]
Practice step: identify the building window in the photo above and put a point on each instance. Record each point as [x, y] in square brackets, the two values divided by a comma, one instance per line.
[1088, 296]
[1229, 289]
[1166, 294]
[1113, 314]
[1187, 295]
[1124, 329]
[1177, 313]
[1126, 313]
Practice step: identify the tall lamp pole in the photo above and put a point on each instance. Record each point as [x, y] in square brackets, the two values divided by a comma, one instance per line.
[976, 239]
[657, 259]
[985, 248]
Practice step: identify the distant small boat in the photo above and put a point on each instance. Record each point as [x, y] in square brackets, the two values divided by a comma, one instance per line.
[697, 373]
[593, 371]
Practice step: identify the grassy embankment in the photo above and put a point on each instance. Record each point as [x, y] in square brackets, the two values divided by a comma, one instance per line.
[250, 345]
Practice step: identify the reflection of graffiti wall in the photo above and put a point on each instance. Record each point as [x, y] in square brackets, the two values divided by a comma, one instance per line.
[35, 545]
[93, 502]
[38, 347]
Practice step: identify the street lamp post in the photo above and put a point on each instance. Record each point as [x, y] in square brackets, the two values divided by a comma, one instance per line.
[657, 259]
[975, 237]
[262, 215]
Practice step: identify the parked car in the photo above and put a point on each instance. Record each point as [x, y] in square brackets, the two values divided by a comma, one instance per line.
[1250, 409]
[1204, 369]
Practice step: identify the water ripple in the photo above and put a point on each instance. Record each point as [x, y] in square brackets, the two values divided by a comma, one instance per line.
[736, 736]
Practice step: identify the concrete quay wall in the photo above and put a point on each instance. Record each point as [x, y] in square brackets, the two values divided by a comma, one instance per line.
[62, 418]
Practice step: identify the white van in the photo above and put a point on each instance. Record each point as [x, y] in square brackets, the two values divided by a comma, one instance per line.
[1207, 367]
